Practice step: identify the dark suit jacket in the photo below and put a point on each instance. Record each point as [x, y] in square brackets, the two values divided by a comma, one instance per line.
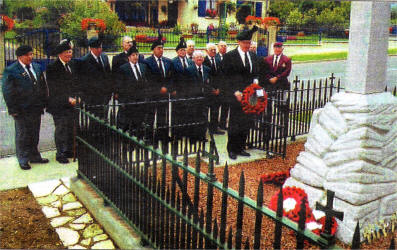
[129, 88]
[97, 83]
[61, 86]
[281, 71]
[236, 77]
[122, 58]
[181, 75]
[155, 78]
[195, 87]
[218, 57]
[217, 74]
[20, 94]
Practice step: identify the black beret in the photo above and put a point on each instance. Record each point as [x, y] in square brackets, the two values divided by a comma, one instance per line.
[246, 34]
[94, 42]
[133, 49]
[23, 50]
[158, 42]
[181, 44]
[62, 47]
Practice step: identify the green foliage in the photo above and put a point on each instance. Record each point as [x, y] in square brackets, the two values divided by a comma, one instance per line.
[242, 12]
[281, 9]
[177, 30]
[294, 18]
[66, 14]
[325, 13]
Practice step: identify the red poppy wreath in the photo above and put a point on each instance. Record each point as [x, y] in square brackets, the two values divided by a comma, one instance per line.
[251, 102]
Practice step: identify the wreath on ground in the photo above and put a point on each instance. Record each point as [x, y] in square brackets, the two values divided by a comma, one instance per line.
[277, 178]
[292, 201]
[251, 102]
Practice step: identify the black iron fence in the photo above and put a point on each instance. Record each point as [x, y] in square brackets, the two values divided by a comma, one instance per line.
[174, 205]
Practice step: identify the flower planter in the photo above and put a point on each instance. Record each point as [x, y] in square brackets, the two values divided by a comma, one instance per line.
[187, 36]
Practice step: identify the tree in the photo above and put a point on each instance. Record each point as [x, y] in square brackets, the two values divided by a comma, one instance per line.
[242, 12]
[281, 9]
[309, 18]
[294, 18]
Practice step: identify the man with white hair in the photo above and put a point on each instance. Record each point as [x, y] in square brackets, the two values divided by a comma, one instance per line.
[222, 49]
[253, 47]
[122, 58]
[190, 49]
[214, 93]
[196, 87]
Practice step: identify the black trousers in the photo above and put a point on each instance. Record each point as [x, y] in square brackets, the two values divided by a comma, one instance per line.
[138, 119]
[27, 132]
[63, 133]
[224, 113]
[214, 104]
[239, 126]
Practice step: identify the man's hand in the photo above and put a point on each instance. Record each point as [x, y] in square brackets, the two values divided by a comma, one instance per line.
[173, 93]
[215, 92]
[14, 115]
[163, 90]
[273, 80]
[72, 101]
[116, 96]
[238, 95]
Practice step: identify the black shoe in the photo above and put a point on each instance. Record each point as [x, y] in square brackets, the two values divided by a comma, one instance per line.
[41, 160]
[25, 166]
[232, 155]
[244, 153]
[218, 132]
[62, 160]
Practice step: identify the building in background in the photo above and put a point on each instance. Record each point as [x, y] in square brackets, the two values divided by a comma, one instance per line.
[185, 12]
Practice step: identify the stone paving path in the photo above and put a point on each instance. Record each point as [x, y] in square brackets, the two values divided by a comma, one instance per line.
[75, 226]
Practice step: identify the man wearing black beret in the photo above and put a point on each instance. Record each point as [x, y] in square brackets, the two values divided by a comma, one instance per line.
[132, 87]
[160, 78]
[25, 96]
[240, 70]
[62, 84]
[96, 77]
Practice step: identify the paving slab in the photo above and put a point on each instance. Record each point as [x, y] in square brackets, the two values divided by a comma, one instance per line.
[12, 176]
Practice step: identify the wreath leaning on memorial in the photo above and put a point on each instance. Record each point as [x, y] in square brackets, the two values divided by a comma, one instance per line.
[251, 102]
[293, 197]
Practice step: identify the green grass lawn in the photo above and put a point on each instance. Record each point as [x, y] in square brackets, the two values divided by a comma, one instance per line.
[328, 56]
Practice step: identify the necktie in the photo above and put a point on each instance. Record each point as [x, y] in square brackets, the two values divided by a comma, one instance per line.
[161, 68]
[201, 74]
[67, 68]
[184, 63]
[100, 63]
[275, 62]
[213, 65]
[31, 74]
[137, 73]
[247, 63]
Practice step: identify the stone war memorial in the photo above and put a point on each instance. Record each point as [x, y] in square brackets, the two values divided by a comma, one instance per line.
[351, 148]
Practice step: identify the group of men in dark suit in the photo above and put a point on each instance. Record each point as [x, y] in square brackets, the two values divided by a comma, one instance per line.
[143, 88]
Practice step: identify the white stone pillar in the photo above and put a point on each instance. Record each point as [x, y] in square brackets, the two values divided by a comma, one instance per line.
[351, 147]
[368, 43]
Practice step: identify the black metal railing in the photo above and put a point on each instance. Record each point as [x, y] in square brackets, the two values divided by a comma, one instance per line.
[305, 97]
[170, 203]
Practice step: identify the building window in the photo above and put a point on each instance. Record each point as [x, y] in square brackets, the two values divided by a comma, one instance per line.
[204, 5]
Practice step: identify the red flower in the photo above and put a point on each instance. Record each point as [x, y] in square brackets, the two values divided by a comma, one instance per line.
[211, 13]
[277, 178]
[99, 23]
[261, 103]
[8, 22]
[292, 201]
[271, 21]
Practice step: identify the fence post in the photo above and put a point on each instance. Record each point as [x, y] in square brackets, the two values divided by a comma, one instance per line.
[356, 237]
[329, 213]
